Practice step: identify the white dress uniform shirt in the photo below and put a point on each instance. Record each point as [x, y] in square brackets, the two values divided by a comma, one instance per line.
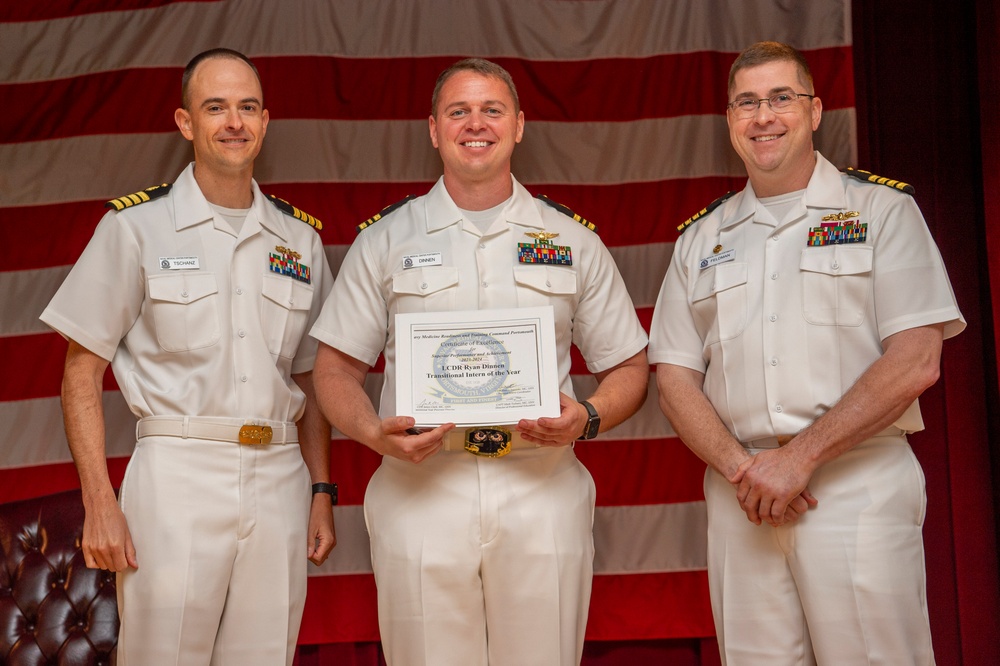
[193, 319]
[782, 329]
[480, 560]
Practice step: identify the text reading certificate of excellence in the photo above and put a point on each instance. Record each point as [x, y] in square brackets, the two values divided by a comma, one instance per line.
[476, 367]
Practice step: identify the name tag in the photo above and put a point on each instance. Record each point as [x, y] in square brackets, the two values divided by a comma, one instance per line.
[179, 263]
[716, 259]
[425, 259]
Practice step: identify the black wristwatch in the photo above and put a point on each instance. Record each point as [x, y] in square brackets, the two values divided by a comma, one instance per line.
[593, 422]
[330, 488]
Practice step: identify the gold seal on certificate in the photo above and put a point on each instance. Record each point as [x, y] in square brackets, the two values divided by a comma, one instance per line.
[476, 367]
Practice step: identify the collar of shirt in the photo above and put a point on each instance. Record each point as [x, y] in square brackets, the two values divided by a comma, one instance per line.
[825, 190]
[192, 208]
[441, 211]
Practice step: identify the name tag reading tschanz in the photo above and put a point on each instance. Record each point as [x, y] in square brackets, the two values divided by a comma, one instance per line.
[179, 263]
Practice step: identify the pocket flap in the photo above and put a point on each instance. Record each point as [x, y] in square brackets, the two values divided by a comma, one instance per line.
[719, 278]
[424, 281]
[182, 288]
[287, 292]
[548, 279]
[837, 259]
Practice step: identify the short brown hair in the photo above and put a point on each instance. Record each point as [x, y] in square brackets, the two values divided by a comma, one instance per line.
[479, 66]
[762, 53]
[209, 55]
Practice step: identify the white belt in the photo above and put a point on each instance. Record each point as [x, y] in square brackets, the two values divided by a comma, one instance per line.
[781, 440]
[218, 429]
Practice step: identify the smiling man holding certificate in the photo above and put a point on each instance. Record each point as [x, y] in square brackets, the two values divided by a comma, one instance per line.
[480, 515]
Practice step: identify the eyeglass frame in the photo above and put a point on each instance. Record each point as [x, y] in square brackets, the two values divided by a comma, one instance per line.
[757, 102]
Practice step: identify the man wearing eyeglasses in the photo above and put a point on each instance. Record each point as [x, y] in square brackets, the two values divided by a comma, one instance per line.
[798, 323]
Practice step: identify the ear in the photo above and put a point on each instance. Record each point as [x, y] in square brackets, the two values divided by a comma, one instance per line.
[432, 127]
[817, 112]
[183, 120]
[264, 118]
[520, 127]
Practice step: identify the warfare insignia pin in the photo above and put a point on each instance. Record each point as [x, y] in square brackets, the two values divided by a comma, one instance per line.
[542, 251]
[285, 261]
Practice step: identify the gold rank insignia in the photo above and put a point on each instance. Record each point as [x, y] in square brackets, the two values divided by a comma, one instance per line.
[292, 211]
[382, 213]
[136, 198]
[704, 211]
[565, 210]
[869, 177]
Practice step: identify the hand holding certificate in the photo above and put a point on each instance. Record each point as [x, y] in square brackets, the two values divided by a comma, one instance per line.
[476, 367]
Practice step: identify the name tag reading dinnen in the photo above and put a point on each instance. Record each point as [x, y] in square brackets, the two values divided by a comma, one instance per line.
[425, 259]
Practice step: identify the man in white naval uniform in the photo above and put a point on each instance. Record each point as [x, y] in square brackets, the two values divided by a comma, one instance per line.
[200, 295]
[479, 560]
[798, 323]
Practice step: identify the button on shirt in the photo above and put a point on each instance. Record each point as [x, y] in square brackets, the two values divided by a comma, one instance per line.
[218, 339]
[478, 270]
[782, 329]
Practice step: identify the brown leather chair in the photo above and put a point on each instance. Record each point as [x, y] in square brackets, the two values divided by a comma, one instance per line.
[53, 609]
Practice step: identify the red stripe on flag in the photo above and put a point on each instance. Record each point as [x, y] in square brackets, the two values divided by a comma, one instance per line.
[17, 483]
[609, 90]
[340, 609]
[649, 471]
[54, 9]
[626, 214]
[647, 606]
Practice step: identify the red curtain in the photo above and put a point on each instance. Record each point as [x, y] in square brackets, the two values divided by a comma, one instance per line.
[919, 121]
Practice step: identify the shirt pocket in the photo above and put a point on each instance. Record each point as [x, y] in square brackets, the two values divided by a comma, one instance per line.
[185, 310]
[836, 284]
[719, 302]
[284, 313]
[425, 289]
[547, 285]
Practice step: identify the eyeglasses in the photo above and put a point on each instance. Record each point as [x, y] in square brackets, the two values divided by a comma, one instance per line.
[780, 103]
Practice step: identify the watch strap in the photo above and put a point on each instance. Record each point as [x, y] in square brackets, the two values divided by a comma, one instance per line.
[329, 488]
[593, 421]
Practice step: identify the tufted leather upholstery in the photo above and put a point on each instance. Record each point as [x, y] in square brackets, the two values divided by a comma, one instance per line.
[53, 609]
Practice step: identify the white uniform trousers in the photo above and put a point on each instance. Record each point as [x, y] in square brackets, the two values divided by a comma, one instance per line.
[220, 537]
[483, 560]
[845, 584]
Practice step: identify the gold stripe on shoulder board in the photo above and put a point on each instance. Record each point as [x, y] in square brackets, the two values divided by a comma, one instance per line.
[292, 211]
[136, 198]
[565, 210]
[704, 211]
[382, 213]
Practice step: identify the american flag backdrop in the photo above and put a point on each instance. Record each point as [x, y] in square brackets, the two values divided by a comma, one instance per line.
[624, 103]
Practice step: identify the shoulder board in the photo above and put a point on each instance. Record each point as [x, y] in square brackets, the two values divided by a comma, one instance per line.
[382, 213]
[289, 209]
[705, 211]
[142, 196]
[565, 210]
[869, 177]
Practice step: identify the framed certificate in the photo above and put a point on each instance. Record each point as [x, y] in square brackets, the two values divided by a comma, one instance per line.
[477, 367]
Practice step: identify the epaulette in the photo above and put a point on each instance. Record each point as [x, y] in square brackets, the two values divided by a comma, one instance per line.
[704, 211]
[289, 209]
[565, 210]
[382, 213]
[869, 177]
[142, 196]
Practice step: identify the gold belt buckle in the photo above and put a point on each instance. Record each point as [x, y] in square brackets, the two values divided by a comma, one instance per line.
[255, 434]
[488, 441]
